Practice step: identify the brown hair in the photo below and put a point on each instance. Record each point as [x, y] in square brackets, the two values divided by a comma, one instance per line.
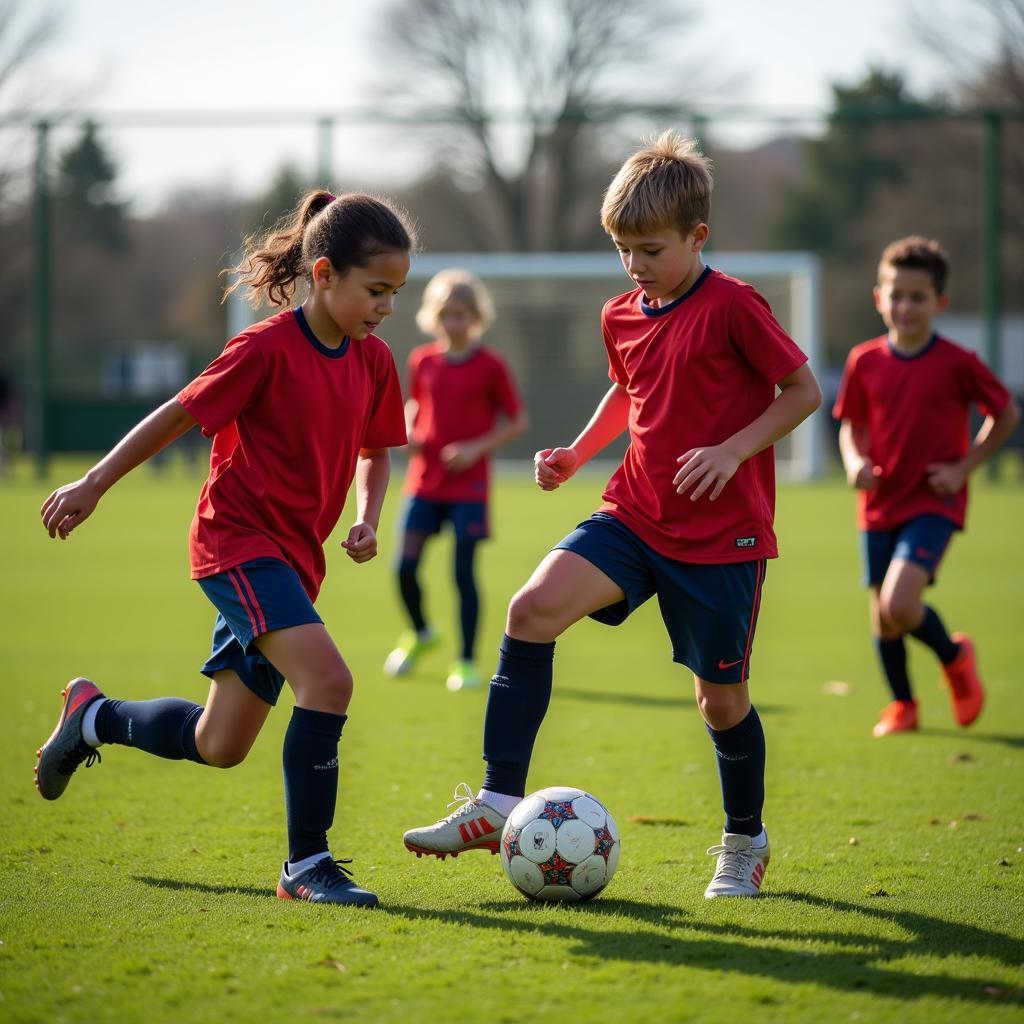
[348, 229]
[462, 286]
[918, 253]
[667, 184]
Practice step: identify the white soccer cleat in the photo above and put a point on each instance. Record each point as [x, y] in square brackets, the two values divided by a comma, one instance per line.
[472, 826]
[741, 866]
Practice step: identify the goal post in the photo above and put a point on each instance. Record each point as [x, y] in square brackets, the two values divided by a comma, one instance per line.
[549, 307]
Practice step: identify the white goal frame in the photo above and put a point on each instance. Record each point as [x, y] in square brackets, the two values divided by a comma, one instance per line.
[801, 269]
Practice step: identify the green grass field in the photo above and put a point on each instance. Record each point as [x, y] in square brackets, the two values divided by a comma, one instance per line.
[146, 893]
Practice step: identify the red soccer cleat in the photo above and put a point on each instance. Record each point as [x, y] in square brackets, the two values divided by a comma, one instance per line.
[60, 756]
[965, 689]
[899, 716]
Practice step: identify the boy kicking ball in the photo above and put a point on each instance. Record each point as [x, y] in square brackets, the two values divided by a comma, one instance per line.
[705, 381]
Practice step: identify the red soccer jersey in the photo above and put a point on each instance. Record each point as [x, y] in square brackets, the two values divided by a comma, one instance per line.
[697, 371]
[458, 399]
[916, 410]
[288, 417]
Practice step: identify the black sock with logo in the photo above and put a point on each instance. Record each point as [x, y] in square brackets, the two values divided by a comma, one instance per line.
[741, 758]
[516, 704]
[310, 779]
[165, 726]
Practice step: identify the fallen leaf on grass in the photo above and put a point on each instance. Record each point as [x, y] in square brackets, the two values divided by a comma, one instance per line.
[836, 688]
[998, 992]
[336, 965]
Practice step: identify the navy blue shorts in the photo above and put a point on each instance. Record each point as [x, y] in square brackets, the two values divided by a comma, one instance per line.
[922, 540]
[468, 518]
[252, 599]
[710, 611]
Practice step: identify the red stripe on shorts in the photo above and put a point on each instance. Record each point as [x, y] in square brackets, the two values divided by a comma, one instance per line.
[244, 602]
[254, 602]
[753, 617]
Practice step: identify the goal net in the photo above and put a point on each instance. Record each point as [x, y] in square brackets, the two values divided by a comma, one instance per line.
[548, 327]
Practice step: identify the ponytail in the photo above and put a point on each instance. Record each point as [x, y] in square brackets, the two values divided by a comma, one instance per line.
[348, 230]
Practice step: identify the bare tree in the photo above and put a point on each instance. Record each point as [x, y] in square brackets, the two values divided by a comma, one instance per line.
[522, 82]
[25, 32]
[981, 42]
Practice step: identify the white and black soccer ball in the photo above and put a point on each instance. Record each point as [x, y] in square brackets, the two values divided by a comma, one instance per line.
[560, 844]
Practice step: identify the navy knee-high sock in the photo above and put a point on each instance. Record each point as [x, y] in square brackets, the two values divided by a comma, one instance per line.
[933, 633]
[516, 704]
[893, 655]
[412, 595]
[165, 727]
[310, 779]
[469, 597]
[741, 757]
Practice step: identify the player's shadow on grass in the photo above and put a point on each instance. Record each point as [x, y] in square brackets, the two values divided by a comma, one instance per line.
[852, 960]
[684, 700]
[190, 886]
[1016, 742]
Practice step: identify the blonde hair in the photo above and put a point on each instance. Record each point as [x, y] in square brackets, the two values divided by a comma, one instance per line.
[462, 286]
[667, 184]
[918, 253]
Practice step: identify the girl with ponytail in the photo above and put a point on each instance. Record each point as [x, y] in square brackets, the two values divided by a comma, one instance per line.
[298, 406]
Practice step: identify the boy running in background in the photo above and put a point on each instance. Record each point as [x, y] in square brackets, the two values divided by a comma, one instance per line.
[461, 405]
[904, 403]
[705, 380]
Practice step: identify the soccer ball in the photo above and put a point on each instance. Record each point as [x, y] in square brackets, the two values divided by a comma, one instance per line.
[560, 844]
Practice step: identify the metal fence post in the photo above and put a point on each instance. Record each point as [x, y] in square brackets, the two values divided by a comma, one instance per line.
[42, 294]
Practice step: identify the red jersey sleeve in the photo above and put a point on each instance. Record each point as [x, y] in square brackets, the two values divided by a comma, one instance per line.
[386, 427]
[760, 338]
[227, 386]
[983, 387]
[852, 400]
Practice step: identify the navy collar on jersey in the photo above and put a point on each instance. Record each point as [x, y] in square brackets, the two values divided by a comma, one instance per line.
[331, 353]
[913, 355]
[662, 310]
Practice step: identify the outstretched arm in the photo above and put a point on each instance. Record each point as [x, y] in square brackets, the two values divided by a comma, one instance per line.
[949, 477]
[713, 467]
[553, 466]
[373, 470]
[72, 504]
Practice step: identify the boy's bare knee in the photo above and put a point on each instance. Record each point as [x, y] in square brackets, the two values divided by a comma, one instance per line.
[530, 617]
[900, 614]
[722, 706]
[330, 691]
[221, 754]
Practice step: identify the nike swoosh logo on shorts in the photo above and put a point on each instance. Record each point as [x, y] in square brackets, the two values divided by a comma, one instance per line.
[723, 664]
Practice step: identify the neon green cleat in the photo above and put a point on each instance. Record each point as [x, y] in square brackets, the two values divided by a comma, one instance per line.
[463, 675]
[411, 646]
